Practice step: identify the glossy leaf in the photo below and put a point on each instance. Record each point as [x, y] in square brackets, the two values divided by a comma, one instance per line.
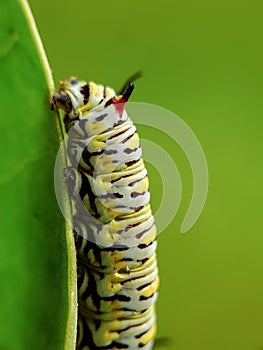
[34, 265]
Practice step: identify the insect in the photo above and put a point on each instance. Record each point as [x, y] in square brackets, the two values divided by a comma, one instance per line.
[114, 228]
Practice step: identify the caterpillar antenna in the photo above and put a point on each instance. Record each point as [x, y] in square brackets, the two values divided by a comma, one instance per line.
[130, 80]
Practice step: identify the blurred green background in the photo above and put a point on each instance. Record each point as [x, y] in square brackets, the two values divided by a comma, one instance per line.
[202, 60]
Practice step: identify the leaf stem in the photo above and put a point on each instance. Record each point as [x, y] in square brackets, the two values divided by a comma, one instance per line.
[39, 45]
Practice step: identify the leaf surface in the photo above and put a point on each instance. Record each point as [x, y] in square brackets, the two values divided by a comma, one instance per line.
[37, 266]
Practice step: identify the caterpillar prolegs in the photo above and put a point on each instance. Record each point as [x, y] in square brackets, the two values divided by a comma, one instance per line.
[115, 233]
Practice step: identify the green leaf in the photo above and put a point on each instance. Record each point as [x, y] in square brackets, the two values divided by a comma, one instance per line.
[37, 261]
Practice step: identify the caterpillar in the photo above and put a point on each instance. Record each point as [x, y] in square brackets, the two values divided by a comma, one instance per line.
[114, 229]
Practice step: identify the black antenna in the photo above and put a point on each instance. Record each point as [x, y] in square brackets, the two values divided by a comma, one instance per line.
[129, 81]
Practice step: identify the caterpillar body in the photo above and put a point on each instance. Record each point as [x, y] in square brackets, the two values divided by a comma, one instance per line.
[114, 228]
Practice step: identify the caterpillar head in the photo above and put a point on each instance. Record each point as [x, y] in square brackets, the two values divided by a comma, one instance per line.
[74, 94]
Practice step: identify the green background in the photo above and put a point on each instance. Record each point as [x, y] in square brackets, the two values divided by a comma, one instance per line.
[203, 61]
